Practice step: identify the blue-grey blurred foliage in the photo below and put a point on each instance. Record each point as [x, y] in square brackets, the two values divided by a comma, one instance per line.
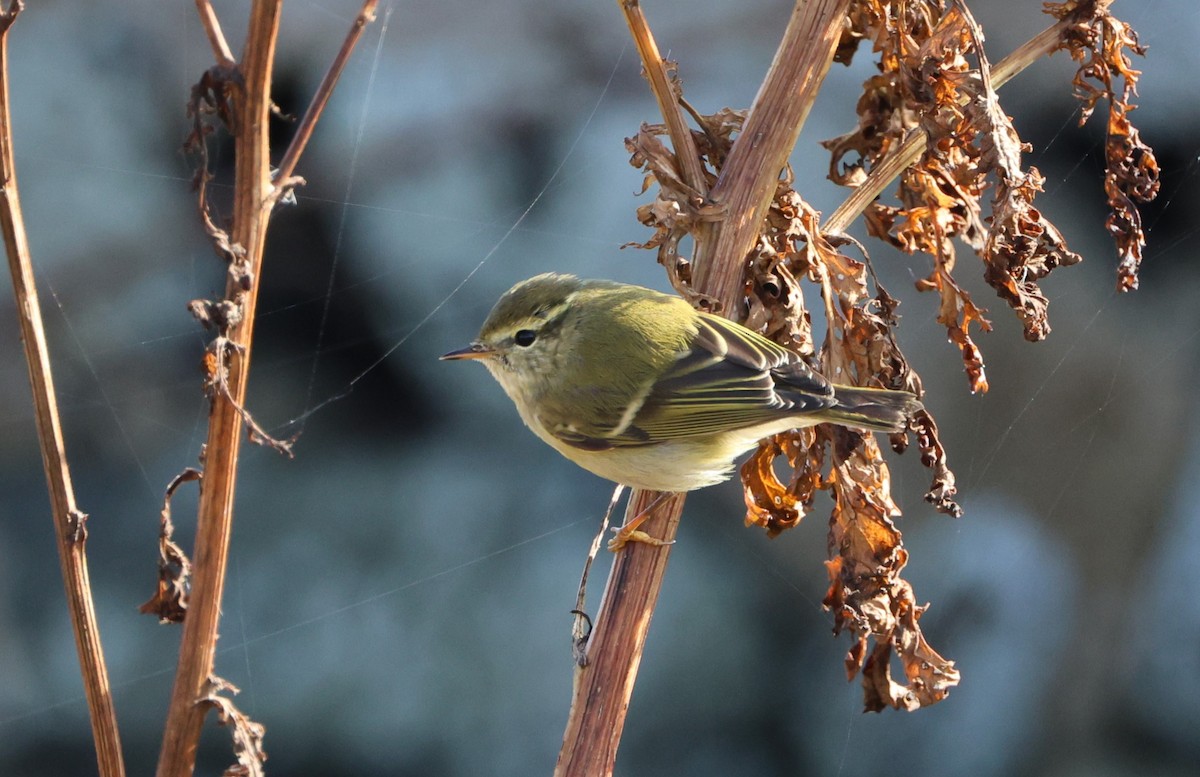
[398, 595]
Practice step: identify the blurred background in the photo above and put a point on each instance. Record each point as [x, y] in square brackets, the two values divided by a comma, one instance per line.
[398, 594]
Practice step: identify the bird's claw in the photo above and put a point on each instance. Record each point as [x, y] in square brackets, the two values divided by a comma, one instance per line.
[637, 535]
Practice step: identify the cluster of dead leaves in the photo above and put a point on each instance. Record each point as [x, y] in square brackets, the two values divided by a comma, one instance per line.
[678, 209]
[934, 78]
[1098, 41]
[866, 593]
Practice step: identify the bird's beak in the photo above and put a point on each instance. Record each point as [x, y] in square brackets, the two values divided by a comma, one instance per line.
[472, 351]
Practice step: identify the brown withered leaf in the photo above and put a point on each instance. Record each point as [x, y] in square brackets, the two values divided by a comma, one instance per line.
[715, 138]
[866, 593]
[775, 302]
[170, 600]
[883, 120]
[769, 503]
[677, 207]
[1022, 248]
[1099, 41]
[247, 735]
[941, 200]
[933, 455]
[957, 312]
[210, 106]
[781, 259]
[865, 351]
[930, 677]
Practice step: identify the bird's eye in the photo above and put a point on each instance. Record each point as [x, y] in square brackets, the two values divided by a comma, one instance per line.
[524, 337]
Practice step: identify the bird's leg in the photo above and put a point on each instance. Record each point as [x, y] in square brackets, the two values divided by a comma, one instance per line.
[582, 627]
[631, 533]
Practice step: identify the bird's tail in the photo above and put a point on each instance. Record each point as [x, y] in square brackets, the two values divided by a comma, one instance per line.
[879, 410]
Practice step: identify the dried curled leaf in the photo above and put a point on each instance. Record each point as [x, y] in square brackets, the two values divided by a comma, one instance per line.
[247, 735]
[769, 503]
[884, 113]
[1098, 41]
[866, 593]
[1022, 248]
[933, 456]
[774, 297]
[860, 347]
[678, 208]
[210, 105]
[957, 312]
[170, 600]
[878, 107]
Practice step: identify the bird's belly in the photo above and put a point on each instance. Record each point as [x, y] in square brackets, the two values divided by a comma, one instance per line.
[668, 466]
[681, 464]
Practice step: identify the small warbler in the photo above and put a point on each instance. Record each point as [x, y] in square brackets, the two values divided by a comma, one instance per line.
[639, 388]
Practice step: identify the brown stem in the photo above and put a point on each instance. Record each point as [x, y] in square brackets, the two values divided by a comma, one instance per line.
[321, 98]
[749, 178]
[251, 212]
[692, 170]
[216, 38]
[69, 522]
[911, 148]
[604, 684]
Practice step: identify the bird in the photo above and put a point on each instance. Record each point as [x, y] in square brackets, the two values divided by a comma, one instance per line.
[638, 387]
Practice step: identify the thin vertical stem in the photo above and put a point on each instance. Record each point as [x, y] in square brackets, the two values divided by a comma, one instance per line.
[690, 166]
[69, 522]
[604, 685]
[251, 211]
[216, 37]
[315, 108]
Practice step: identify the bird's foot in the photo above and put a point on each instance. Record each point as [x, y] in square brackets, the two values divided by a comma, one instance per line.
[625, 535]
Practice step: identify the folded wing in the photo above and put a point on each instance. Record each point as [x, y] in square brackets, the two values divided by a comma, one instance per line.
[729, 378]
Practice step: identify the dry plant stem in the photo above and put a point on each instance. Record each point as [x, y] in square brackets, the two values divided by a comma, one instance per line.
[216, 38]
[603, 687]
[748, 180]
[253, 199]
[910, 149]
[69, 522]
[321, 98]
[692, 170]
